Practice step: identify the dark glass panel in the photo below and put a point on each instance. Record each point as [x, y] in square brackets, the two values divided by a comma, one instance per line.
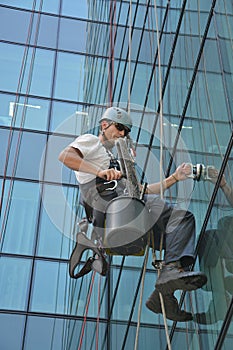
[26, 151]
[11, 335]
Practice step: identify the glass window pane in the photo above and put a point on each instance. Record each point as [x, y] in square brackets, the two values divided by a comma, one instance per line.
[68, 118]
[29, 113]
[19, 3]
[4, 135]
[69, 78]
[47, 6]
[50, 288]
[123, 303]
[228, 338]
[57, 226]
[51, 291]
[17, 32]
[75, 9]
[54, 170]
[9, 323]
[26, 25]
[26, 150]
[46, 333]
[10, 66]
[73, 35]
[18, 219]
[39, 80]
[51, 6]
[14, 280]
[48, 24]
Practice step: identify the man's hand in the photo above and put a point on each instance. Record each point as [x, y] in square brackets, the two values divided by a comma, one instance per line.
[109, 174]
[182, 172]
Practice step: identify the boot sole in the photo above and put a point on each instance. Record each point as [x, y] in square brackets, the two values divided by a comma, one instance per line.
[186, 283]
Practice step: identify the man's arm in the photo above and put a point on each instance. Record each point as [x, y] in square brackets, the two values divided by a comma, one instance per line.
[180, 174]
[73, 159]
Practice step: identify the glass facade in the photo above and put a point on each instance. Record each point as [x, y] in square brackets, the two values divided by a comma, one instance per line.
[61, 63]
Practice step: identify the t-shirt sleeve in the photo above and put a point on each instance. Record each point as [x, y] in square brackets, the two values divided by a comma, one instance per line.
[85, 143]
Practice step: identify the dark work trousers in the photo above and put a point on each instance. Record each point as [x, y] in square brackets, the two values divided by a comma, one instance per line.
[177, 227]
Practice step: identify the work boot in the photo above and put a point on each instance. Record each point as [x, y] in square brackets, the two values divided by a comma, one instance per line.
[171, 306]
[172, 277]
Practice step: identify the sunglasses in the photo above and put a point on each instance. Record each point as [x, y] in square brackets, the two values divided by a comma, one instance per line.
[122, 127]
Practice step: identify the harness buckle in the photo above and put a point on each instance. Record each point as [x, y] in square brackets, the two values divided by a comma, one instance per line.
[113, 187]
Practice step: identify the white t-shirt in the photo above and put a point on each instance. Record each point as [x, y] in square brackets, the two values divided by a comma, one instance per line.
[94, 152]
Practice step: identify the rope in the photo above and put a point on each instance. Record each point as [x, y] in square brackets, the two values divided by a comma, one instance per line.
[98, 315]
[86, 311]
[129, 55]
[140, 299]
[161, 163]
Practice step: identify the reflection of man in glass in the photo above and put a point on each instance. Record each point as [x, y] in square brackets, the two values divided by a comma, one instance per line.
[216, 259]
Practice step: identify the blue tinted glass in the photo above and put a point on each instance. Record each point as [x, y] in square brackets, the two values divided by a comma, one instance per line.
[29, 113]
[29, 27]
[10, 66]
[123, 302]
[58, 222]
[209, 98]
[18, 219]
[199, 5]
[21, 21]
[26, 151]
[228, 338]
[46, 333]
[4, 135]
[27, 4]
[194, 23]
[73, 35]
[68, 118]
[75, 9]
[47, 6]
[8, 324]
[51, 6]
[49, 292]
[69, 77]
[48, 24]
[38, 81]
[54, 168]
[14, 280]
[17, 74]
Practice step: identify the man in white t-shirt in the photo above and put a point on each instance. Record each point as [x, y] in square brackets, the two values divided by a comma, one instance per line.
[96, 171]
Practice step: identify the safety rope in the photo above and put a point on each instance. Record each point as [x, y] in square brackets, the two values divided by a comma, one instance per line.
[129, 56]
[112, 33]
[161, 163]
[141, 296]
[98, 315]
[86, 311]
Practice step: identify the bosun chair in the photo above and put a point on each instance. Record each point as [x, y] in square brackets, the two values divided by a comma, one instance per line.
[126, 227]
